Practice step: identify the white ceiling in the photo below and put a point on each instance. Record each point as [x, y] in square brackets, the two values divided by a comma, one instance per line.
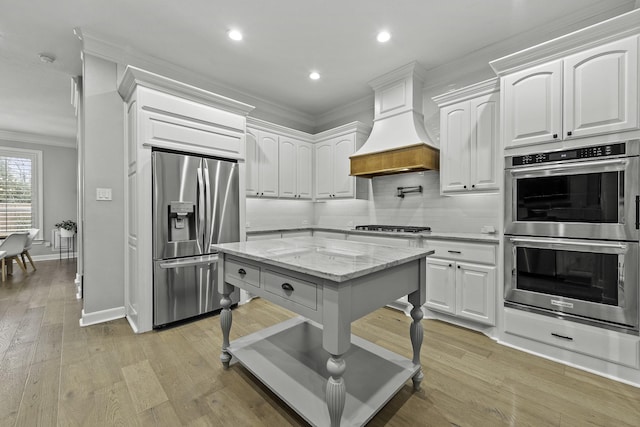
[283, 41]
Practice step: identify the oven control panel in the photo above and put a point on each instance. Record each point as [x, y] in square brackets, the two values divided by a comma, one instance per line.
[578, 153]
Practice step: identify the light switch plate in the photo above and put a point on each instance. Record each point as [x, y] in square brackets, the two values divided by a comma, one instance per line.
[103, 194]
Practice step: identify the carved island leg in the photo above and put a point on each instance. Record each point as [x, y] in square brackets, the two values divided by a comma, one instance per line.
[416, 333]
[225, 324]
[336, 392]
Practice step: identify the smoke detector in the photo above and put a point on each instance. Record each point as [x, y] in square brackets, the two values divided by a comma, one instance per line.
[46, 58]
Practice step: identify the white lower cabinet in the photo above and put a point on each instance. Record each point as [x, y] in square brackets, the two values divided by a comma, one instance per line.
[461, 280]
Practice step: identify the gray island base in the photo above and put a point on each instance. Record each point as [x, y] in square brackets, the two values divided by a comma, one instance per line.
[313, 363]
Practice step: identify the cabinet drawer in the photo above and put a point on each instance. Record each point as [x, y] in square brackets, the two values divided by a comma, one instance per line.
[596, 342]
[300, 292]
[463, 251]
[240, 273]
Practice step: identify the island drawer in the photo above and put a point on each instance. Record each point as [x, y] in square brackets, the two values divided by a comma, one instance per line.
[463, 251]
[291, 288]
[239, 273]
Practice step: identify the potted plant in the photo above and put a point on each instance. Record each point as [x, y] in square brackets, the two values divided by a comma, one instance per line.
[67, 228]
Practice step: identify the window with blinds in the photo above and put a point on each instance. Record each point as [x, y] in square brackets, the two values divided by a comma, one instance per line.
[19, 204]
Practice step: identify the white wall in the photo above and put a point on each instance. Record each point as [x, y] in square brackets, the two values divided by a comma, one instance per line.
[103, 227]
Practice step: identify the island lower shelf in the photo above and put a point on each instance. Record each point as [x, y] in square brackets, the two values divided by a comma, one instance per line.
[289, 359]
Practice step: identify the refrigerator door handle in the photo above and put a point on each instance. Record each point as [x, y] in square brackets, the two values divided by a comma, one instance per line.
[188, 262]
[201, 222]
[208, 209]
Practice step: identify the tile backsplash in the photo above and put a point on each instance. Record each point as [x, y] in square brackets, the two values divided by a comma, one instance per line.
[468, 213]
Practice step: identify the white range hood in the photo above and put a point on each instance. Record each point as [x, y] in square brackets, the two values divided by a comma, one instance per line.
[398, 142]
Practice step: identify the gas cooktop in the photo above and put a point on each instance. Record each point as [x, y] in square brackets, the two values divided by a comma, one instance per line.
[394, 228]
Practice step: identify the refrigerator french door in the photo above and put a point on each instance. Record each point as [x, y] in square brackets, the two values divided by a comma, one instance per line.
[195, 205]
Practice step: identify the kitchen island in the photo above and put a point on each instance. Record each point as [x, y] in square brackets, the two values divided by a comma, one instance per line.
[312, 362]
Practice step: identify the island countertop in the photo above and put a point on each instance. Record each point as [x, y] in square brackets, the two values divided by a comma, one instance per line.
[335, 260]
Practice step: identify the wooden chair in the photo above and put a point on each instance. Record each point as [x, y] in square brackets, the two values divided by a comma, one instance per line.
[12, 247]
[32, 235]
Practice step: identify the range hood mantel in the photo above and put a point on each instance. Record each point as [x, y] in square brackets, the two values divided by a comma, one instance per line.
[398, 142]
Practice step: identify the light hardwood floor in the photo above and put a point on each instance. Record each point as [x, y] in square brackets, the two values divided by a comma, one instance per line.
[52, 372]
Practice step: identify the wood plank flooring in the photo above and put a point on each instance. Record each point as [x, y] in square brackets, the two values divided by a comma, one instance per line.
[52, 372]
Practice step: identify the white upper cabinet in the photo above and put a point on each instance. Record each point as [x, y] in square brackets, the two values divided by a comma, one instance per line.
[262, 164]
[332, 165]
[343, 184]
[588, 93]
[469, 139]
[324, 169]
[455, 147]
[601, 85]
[533, 105]
[296, 164]
[332, 168]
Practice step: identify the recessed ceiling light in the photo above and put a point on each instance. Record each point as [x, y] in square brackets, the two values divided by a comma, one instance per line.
[235, 35]
[314, 75]
[383, 36]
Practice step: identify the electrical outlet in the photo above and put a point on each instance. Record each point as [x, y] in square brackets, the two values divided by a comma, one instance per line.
[247, 224]
[305, 222]
[350, 224]
[103, 194]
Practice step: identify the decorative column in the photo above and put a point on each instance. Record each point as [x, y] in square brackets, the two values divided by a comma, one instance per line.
[416, 333]
[225, 324]
[336, 393]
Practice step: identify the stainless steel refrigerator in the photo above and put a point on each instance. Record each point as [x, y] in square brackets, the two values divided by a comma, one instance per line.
[195, 204]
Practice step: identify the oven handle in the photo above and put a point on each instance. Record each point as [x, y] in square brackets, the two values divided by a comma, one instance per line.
[637, 212]
[570, 166]
[569, 243]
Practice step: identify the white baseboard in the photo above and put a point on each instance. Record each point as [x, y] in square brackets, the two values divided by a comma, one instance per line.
[101, 316]
[51, 257]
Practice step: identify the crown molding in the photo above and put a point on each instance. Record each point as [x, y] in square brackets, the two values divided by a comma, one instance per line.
[482, 88]
[618, 27]
[477, 63]
[365, 104]
[264, 125]
[412, 69]
[34, 138]
[134, 77]
[358, 127]
[101, 47]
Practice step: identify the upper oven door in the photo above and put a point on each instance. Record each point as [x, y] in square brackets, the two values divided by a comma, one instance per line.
[596, 199]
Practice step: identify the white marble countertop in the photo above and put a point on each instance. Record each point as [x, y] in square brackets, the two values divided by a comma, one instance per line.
[473, 237]
[335, 260]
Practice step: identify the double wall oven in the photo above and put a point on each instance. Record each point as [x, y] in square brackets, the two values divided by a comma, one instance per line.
[571, 234]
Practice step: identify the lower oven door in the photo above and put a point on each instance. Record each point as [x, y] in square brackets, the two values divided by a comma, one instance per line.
[595, 281]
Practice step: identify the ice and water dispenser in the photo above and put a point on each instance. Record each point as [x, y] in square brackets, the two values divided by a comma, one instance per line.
[182, 221]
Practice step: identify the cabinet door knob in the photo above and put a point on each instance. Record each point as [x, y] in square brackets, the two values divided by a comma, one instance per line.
[569, 133]
[473, 186]
[287, 287]
[242, 272]
[458, 266]
[555, 135]
[450, 265]
[257, 194]
[465, 186]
